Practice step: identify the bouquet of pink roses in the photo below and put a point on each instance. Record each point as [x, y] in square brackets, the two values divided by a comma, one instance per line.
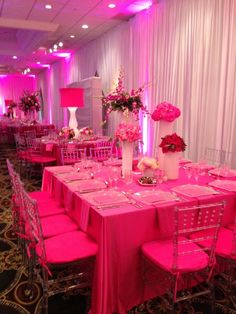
[67, 132]
[128, 132]
[86, 131]
[165, 111]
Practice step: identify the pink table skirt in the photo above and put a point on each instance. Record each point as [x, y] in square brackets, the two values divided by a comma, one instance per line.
[120, 232]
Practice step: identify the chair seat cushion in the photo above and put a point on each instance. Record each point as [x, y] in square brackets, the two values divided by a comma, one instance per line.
[68, 247]
[42, 159]
[224, 244]
[231, 226]
[46, 204]
[57, 224]
[160, 253]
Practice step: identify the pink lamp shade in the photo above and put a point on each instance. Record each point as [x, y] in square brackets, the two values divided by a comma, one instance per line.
[72, 97]
[8, 102]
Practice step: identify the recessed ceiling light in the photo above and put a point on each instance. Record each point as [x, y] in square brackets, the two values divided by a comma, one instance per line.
[50, 50]
[84, 26]
[48, 6]
[38, 62]
[72, 36]
[14, 57]
[55, 46]
[111, 5]
[60, 44]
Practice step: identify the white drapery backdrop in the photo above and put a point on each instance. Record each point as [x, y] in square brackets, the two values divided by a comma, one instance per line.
[184, 52]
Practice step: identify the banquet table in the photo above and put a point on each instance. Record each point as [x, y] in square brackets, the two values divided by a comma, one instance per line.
[120, 229]
[11, 128]
[52, 147]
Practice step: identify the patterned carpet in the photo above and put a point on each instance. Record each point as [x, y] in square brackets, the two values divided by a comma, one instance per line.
[13, 299]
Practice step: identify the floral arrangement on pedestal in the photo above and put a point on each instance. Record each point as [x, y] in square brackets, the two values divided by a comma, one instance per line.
[67, 133]
[165, 111]
[29, 102]
[171, 146]
[122, 101]
[172, 143]
[86, 131]
[10, 109]
[127, 133]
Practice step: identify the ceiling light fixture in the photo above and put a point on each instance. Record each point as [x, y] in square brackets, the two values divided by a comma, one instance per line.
[84, 26]
[38, 62]
[48, 6]
[14, 57]
[72, 36]
[60, 44]
[111, 5]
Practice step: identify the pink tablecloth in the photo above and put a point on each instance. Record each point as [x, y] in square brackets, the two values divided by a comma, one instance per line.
[120, 232]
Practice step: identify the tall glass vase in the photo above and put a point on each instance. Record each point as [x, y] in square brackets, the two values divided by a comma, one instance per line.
[171, 165]
[127, 158]
[165, 128]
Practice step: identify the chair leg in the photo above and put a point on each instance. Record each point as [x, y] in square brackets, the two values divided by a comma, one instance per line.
[45, 291]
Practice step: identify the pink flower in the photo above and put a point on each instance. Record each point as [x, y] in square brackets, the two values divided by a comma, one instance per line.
[128, 132]
[165, 111]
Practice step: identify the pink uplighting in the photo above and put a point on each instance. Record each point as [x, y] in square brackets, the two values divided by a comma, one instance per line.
[62, 54]
[139, 6]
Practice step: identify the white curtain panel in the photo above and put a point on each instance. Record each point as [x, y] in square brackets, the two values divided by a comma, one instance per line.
[183, 51]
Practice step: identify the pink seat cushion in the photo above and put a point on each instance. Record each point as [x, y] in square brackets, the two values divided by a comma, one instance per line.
[68, 247]
[231, 226]
[161, 254]
[57, 224]
[42, 159]
[46, 204]
[224, 244]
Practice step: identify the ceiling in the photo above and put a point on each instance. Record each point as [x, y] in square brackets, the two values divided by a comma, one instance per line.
[28, 30]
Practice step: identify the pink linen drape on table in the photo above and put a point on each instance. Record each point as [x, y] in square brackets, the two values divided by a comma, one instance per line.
[120, 232]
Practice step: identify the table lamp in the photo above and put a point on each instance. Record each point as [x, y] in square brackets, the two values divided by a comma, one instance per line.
[72, 98]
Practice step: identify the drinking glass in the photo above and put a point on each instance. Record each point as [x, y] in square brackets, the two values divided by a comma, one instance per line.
[189, 172]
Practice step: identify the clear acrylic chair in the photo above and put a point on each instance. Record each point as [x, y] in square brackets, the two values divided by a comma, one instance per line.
[225, 255]
[179, 260]
[30, 134]
[72, 155]
[61, 263]
[101, 153]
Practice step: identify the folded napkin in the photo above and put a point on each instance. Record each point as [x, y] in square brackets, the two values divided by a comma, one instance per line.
[227, 185]
[87, 185]
[193, 190]
[223, 173]
[150, 197]
[60, 169]
[116, 162]
[110, 197]
[199, 166]
[77, 176]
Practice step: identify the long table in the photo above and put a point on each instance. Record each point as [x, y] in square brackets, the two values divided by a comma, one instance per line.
[119, 232]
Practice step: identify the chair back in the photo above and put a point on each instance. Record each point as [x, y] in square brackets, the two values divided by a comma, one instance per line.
[101, 153]
[72, 155]
[30, 133]
[199, 220]
[34, 228]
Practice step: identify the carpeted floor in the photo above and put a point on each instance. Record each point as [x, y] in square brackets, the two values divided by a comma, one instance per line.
[13, 279]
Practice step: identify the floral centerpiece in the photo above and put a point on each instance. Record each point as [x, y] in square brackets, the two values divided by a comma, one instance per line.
[127, 133]
[10, 109]
[29, 102]
[122, 101]
[67, 133]
[172, 143]
[86, 131]
[171, 146]
[148, 166]
[165, 111]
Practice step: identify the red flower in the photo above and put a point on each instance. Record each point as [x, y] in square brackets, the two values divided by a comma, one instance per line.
[172, 143]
